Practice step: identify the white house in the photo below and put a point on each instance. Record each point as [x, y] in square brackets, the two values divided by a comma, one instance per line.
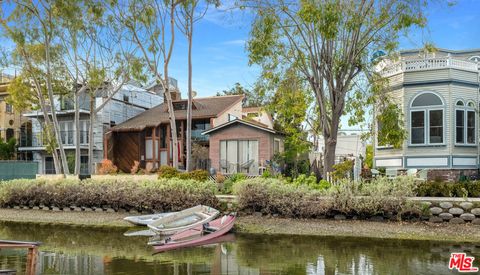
[439, 96]
[347, 146]
[128, 102]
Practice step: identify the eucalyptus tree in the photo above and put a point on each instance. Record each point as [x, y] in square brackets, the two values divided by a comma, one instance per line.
[150, 25]
[98, 61]
[330, 43]
[85, 58]
[32, 28]
[190, 12]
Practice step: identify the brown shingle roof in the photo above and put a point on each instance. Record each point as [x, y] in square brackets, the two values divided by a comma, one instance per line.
[204, 107]
[241, 121]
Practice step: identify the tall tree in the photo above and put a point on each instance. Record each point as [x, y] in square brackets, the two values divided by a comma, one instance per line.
[329, 43]
[189, 13]
[150, 25]
[33, 28]
[289, 105]
[255, 97]
[97, 62]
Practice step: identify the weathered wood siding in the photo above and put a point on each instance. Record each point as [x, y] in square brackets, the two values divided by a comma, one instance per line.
[126, 150]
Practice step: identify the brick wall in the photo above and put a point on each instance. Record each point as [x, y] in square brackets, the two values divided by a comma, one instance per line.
[240, 132]
[450, 175]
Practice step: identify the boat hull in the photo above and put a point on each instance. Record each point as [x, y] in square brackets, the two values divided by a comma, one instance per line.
[196, 236]
[183, 220]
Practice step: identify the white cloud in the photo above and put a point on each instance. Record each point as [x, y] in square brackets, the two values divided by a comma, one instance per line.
[239, 42]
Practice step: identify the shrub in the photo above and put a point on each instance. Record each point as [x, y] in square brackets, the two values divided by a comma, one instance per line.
[199, 175]
[323, 184]
[107, 167]
[168, 172]
[159, 195]
[273, 196]
[473, 188]
[379, 196]
[448, 189]
[220, 178]
[342, 170]
[228, 183]
[310, 182]
[135, 167]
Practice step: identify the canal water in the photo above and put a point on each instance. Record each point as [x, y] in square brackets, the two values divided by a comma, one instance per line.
[87, 250]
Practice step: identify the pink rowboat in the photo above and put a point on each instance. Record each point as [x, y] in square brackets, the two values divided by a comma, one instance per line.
[199, 235]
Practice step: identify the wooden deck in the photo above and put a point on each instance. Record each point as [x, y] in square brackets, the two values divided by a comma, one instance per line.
[31, 256]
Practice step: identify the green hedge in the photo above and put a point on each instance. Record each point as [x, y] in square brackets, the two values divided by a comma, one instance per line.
[168, 172]
[449, 189]
[159, 195]
[365, 199]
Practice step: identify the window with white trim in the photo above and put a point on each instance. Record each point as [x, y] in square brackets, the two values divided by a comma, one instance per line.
[465, 121]
[427, 120]
[475, 58]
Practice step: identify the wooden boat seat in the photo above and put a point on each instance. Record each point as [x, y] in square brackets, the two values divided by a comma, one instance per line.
[209, 229]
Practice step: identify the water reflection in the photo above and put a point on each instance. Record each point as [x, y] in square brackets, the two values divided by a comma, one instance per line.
[83, 250]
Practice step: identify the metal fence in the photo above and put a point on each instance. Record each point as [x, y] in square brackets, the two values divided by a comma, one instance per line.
[18, 170]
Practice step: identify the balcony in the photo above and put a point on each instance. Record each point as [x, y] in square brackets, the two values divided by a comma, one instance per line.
[197, 135]
[67, 137]
[413, 65]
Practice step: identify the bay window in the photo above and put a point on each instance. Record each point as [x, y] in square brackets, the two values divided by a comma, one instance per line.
[427, 120]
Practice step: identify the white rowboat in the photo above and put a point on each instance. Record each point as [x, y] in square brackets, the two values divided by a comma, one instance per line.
[183, 220]
[146, 219]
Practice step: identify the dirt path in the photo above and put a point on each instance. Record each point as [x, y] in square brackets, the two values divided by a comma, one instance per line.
[266, 225]
[60, 217]
[385, 230]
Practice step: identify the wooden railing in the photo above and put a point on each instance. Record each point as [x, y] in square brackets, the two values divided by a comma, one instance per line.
[428, 64]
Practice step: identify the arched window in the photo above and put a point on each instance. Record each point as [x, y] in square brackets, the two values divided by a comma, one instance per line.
[475, 58]
[427, 119]
[465, 121]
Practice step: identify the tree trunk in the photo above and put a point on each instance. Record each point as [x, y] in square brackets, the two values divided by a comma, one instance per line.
[173, 124]
[90, 134]
[330, 140]
[190, 101]
[54, 113]
[329, 155]
[77, 134]
[43, 107]
[166, 90]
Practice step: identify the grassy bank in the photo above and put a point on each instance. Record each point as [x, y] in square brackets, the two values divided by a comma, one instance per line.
[263, 225]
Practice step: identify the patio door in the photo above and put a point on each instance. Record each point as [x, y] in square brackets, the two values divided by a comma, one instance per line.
[239, 156]
[248, 156]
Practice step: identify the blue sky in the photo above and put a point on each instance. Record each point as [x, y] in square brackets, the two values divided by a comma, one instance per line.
[220, 58]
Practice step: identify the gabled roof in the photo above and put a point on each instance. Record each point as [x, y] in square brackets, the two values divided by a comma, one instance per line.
[204, 107]
[240, 121]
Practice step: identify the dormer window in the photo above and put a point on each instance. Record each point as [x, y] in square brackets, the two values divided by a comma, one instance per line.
[180, 105]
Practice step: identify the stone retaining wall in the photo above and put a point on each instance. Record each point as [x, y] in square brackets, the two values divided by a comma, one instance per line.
[453, 210]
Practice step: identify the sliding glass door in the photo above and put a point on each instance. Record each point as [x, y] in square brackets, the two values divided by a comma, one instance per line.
[239, 156]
